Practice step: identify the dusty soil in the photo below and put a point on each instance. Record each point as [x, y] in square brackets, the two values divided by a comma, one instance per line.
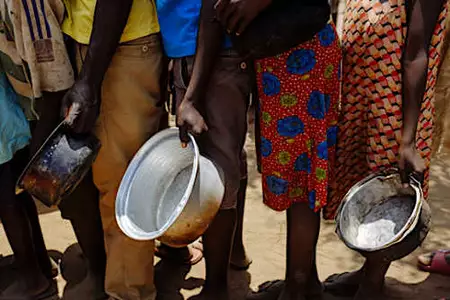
[265, 242]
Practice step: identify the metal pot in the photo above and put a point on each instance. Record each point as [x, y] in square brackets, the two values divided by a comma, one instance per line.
[59, 165]
[168, 192]
[378, 217]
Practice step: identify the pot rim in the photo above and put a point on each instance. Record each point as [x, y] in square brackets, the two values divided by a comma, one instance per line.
[125, 224]
[406, 229]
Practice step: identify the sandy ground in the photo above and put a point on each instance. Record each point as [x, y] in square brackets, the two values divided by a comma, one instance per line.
[265, 242]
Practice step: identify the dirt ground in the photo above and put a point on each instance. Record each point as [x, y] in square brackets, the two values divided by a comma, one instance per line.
[265, 242]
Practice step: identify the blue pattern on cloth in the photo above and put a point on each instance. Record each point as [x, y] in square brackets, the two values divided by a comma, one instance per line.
[14, 128]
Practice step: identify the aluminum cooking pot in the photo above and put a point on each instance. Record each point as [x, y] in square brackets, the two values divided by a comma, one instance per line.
[168, 192]
[378, 217]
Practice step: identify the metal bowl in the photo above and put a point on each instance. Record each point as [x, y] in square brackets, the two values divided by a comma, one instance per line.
[59, 165]
[378, 212]
[168, 192]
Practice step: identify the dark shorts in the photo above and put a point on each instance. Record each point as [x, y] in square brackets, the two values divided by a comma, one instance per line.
[225, 112]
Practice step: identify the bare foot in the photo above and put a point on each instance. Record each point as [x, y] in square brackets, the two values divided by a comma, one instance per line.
[34, 289]
[343, 285]
[369, 291]
[91, 287]
[190, 255]
[212, 294]
[291, 294]
[315, 290]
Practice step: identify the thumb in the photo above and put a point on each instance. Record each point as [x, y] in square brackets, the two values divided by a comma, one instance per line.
[65, 106]
[405, 170]
[184, 135]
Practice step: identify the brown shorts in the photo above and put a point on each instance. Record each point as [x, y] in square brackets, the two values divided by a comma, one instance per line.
[225, 112]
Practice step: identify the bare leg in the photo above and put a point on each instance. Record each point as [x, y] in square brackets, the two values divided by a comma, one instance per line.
[20, 160]
[303, 232]
[38, 239]
[31, 281]
[83, 211]
[239, 259]
[366, 283]
[372, 283]
[217, 242]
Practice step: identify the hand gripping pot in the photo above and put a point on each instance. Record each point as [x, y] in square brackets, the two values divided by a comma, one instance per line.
[168, 192]
[378, 217]
[59, 165]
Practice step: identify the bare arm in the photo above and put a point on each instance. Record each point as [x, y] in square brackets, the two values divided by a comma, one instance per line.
[422, 22]
[110, 20]
[209, 43]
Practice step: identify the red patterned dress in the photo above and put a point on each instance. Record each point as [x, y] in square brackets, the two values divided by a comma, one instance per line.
[371, 110]
[299, 93]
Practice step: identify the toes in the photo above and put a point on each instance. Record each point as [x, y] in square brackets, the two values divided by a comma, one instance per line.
[426, 259]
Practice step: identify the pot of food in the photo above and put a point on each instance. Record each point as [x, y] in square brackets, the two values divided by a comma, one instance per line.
[379, 217]
[168, 192]
[59, 165]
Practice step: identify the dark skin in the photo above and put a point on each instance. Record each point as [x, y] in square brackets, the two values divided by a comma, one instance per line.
[302, 281]
[209, 43]
[217, 251]
[235, 16]
[423, 15]
[83, 100]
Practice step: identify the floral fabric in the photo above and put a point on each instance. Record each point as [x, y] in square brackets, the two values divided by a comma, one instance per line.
[299, 92]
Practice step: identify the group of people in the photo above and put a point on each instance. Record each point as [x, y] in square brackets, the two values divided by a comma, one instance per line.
[330, 113]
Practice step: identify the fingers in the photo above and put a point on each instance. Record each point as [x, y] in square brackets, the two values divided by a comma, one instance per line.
[233, 21]
[184, 136]
[65, 106]
[242, 26]
[228, 16]
[199, 127]
[220, 7]
[72, 113]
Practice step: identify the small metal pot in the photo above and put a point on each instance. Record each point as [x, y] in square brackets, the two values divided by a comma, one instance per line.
[402, 217]
[169, 193]
[59, 165]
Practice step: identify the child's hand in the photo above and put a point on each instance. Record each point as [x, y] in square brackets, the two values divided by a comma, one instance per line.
[410, 163]
[189, 120]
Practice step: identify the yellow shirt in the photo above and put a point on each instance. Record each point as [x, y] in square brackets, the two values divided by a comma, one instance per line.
[80, 17]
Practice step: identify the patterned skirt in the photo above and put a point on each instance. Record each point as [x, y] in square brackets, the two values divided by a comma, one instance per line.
[299, 93]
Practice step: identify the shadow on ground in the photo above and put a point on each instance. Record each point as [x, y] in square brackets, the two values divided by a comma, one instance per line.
[170, 279]
[9, 273]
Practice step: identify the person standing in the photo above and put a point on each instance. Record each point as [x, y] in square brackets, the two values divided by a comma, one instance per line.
[117, 96]
[298, 89]
[392, 52]
[221, 94]
[37, 66]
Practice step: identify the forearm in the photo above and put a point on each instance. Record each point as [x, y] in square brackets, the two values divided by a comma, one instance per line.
[414, 83]
[423, 18]
[209, 44]
[110, 19]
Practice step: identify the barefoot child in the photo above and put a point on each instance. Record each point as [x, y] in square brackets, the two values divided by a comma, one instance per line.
[212, 92]
[298, 91]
